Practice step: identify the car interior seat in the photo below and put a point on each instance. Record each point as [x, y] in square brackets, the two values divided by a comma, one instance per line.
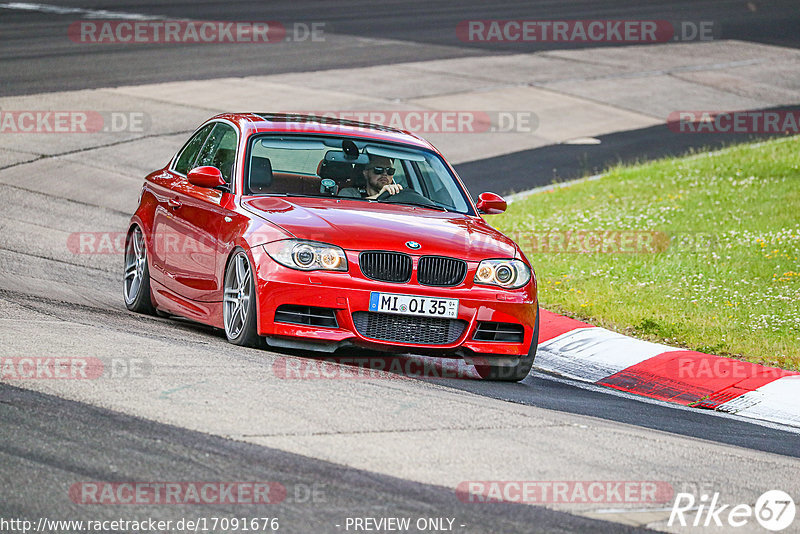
[342, 173]
[260, 179]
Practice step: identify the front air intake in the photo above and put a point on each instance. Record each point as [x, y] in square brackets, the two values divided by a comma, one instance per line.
[306, 315]
[408, 328]
[500, 332]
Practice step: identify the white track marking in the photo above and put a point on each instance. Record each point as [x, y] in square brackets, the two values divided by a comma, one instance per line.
[591, 354]
[777, 401]
[648, 400]
[88, 13]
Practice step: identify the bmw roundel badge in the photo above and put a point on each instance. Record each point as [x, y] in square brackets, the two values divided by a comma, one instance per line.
[413, 245]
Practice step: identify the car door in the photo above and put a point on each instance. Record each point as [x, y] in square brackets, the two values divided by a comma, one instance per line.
[196, 217]
[164, 238]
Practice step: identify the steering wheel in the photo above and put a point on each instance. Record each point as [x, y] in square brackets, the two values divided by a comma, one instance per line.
[405, 195]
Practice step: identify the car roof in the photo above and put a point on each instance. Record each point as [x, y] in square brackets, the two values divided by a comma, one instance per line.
[251, 123]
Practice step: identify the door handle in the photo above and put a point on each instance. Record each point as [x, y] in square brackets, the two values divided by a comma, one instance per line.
[174, 203]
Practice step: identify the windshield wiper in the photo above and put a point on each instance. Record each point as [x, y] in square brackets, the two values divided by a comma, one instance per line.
[291, 195]
[431, 206]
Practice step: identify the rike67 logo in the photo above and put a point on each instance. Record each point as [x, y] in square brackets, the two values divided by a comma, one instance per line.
[774, 510]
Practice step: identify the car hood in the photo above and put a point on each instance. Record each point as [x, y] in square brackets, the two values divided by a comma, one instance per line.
[360, 225]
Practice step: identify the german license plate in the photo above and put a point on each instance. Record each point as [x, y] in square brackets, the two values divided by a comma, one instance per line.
[413, 305]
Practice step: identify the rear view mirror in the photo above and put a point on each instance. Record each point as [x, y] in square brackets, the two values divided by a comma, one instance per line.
[340, 157]
[209, 177]
[491, 203]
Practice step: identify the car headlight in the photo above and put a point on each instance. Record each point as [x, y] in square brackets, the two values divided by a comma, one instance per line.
[510, 274]
[307, 255]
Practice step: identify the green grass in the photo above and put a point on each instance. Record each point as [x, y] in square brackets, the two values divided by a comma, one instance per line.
[710, 256]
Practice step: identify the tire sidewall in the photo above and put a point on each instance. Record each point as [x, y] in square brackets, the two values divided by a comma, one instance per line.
[248, 336]
[143, 302]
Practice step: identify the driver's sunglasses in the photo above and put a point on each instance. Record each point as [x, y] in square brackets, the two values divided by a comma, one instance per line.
[380, 170]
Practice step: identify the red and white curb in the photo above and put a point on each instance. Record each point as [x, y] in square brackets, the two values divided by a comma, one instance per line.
[591, 354]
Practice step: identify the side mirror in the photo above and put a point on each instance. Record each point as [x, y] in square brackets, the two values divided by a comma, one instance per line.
[491, 203]
[209, 177]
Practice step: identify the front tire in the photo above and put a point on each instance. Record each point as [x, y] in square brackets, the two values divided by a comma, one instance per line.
[239, 302]
[517, 372]
[136, 280]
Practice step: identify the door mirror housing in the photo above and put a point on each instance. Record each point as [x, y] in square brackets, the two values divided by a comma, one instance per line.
[491, 203]
[209, 177]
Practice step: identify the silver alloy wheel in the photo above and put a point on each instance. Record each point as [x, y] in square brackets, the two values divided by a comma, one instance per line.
[135, 263]
[238, 291]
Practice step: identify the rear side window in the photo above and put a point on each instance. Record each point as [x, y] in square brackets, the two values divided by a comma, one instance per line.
[185, 160]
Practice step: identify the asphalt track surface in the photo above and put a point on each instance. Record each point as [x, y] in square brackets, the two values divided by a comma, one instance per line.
[521, 171]
[34, 57]
[47, 442]
[42, 435]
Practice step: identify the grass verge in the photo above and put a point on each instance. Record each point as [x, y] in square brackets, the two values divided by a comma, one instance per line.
[701, 252]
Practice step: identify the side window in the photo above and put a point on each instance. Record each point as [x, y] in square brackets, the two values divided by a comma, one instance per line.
[184, 163]
[219, 150]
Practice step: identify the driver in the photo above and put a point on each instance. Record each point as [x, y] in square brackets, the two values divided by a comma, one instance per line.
[378, 177]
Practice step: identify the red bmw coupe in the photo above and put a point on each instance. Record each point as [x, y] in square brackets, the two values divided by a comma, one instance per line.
[311, 233]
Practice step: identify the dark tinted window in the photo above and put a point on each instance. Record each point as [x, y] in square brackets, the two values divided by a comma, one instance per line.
[219, 150]
[184, 163]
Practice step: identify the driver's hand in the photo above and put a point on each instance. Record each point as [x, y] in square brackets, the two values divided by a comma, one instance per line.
[392, 189]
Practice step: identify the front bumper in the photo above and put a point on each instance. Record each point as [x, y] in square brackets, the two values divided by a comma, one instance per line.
[349, 292]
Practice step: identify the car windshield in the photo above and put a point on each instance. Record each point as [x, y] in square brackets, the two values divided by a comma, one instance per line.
[339, 167]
